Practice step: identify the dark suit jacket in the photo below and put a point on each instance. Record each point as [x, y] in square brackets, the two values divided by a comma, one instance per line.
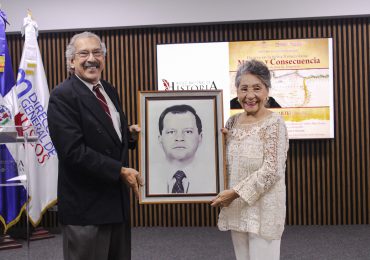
[90, 154]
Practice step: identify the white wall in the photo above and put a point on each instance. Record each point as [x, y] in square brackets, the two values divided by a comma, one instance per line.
[81, 14]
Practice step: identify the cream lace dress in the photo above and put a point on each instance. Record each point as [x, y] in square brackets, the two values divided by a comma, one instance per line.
[256, 155]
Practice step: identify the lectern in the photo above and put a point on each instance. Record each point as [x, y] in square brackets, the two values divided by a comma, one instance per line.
[15, 145]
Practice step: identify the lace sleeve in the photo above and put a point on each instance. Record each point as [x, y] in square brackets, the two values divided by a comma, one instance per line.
[273, 168]
[231, 122]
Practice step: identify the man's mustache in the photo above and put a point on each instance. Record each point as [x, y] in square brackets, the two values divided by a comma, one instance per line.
[91, 64]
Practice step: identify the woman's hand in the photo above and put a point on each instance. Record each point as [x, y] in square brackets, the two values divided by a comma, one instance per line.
[224, 198]
[224, 130]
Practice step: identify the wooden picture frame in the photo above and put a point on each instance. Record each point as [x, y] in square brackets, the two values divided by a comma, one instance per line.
[181, 146]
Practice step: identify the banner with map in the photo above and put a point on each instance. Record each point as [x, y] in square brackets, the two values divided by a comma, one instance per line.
[301, 70]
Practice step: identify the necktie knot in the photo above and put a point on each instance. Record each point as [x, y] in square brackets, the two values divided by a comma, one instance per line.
[178, 187]
[96, 87]
[179, 175]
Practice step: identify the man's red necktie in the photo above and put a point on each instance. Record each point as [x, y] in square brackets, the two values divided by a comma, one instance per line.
[102, 101]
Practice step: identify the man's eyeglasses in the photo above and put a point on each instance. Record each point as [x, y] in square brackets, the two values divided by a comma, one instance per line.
[85, 54]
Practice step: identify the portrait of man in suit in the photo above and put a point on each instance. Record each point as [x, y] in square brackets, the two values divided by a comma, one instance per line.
[179, 139]
[180, 131]
[92, 137]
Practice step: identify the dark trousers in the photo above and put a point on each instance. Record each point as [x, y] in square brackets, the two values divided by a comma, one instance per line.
[97, 242]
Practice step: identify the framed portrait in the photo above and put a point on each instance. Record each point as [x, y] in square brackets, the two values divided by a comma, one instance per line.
[182, 148]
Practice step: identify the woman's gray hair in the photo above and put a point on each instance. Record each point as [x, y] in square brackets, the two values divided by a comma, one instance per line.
[71, 49]
[256, 68]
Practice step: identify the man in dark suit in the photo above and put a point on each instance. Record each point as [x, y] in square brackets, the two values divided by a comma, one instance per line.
[92, 138]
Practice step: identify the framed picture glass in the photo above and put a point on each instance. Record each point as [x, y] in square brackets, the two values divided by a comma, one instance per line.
[182, 151]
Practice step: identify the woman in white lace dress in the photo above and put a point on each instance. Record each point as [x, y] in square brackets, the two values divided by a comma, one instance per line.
[253, 206]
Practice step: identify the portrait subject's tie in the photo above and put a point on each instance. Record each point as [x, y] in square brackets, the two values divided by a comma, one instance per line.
[178, 187]
[102, 100]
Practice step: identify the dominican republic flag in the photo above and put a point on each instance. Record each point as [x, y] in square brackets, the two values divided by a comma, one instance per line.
[33, 98]
[12, 198]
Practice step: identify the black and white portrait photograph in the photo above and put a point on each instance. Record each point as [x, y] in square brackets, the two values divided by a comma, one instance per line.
[181, 146]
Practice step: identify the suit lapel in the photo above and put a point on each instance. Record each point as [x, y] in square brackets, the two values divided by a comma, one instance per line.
[92, 104]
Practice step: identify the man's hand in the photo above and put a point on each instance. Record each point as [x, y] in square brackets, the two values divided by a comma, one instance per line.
[224, 198]
[134, 132]
[132, 178]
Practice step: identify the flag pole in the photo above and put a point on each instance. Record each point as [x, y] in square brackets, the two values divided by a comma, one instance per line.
[34, 74]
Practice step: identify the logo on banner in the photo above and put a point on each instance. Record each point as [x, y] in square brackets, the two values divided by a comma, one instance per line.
[5, 115]
[34, 118]
[189, 85]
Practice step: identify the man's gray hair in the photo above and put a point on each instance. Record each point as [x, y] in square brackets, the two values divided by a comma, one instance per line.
[256, 68]
[71, 49]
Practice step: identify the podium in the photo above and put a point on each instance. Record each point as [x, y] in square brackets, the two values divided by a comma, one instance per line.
[14, 175]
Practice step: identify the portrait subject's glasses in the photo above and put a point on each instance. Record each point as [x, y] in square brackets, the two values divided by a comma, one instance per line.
[85, 54]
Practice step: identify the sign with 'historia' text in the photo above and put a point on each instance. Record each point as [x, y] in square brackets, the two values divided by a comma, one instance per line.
[301, 77]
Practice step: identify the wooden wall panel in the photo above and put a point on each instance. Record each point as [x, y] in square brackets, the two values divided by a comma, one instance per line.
[327, 180]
